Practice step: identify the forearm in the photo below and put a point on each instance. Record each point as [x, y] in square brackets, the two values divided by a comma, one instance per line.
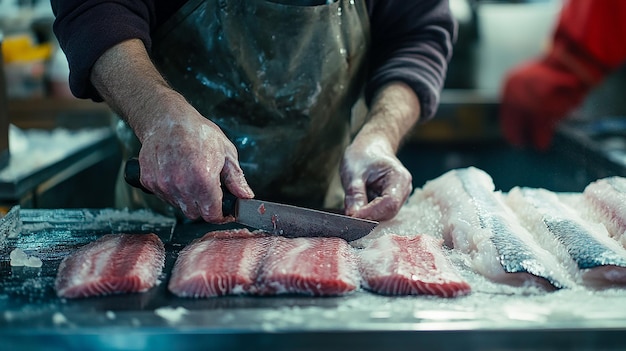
[129, 82]
[395, 109]
[411, 43]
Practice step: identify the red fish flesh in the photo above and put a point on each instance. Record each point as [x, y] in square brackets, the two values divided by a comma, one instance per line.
[402, 265]
[309, 266]
[115, 263]
[219, 263]
[238, 262]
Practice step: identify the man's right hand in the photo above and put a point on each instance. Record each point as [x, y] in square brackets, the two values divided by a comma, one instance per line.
[186, 161]
[185, 158]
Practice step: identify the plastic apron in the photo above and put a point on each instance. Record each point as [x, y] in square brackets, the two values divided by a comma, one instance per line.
[280, 78]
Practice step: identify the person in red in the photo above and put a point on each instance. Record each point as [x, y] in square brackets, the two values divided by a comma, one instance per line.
[586, 46]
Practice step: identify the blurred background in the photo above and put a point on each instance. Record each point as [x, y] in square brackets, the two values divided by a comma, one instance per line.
[58, 151]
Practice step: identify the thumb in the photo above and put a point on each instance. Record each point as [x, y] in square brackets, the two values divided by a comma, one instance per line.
[234, 180]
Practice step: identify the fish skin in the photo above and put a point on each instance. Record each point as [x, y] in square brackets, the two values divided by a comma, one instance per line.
[583, 246]
[520, 258]
[585, 250]
[113, 264]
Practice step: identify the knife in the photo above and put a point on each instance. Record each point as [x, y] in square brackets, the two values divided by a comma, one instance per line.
[279, 219]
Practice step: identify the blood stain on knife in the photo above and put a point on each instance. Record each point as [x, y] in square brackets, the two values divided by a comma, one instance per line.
[261, 209]
[274, 221]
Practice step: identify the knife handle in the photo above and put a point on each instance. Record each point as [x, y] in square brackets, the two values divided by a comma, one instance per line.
[132, 176]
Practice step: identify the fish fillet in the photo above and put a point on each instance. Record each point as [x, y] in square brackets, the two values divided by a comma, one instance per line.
[309, 266]
[606, 199]
[240, 262]
[476, 221]
[583, 247]
[219, 263]
[402, 265]
[115, 263]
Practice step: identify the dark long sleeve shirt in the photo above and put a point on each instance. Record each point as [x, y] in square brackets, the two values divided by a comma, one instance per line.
[411, 40]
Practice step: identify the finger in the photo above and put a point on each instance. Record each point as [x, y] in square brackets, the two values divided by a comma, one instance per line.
[355, 197]
[235, 181]
[211, 204]
[190, 211]
[393, 196]
[381, 208]
[214, 214]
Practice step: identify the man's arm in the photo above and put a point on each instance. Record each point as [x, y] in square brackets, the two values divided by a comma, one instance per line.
[375, 181]
[411, 43]
[411, 46]
[184, 157]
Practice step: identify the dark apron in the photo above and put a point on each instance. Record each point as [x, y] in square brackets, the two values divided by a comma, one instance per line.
[280, 78]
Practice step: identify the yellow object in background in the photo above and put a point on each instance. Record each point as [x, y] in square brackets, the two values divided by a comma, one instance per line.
[21, 48]
[25, 66]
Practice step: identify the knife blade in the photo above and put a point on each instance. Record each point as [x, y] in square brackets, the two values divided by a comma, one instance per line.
[292, 221]
[275, 218]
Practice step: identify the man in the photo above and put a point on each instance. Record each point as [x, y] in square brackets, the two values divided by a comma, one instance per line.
[215, 89]
[586, 47]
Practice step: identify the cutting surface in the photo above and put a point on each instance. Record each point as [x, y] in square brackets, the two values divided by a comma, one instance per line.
[491, 317]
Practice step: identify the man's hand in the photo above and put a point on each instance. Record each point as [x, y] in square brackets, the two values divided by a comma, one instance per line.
[375, 181]
[186, 161]
[185, 158]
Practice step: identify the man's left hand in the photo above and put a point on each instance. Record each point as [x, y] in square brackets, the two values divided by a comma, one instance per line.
[375, 181]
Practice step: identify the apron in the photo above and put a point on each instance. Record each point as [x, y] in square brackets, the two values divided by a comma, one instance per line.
[279, 78]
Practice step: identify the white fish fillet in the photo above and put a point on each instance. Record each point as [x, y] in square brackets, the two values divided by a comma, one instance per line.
[584, 248]
[606, 202]
[476, 221]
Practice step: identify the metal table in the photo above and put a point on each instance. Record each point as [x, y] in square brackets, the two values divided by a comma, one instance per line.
[492, 317]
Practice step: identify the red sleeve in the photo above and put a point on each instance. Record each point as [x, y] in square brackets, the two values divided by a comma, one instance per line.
[589, 37]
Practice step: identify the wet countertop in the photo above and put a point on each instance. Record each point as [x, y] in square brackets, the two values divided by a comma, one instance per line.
[492, 317]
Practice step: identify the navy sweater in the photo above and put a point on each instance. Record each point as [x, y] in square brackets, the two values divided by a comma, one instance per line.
[411, 40]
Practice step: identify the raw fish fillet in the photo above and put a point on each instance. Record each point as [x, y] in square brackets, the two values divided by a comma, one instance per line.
[606, 199]
[309, 266]
[476, 221]
[115, 263]
[402, 265]
[583, 247]
[237, 262]
[219, 263]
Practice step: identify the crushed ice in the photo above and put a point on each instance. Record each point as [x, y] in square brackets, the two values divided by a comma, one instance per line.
[172, 315]
[20, 258]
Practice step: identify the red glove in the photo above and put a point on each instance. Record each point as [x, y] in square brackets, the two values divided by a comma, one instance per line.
[535, 98]
[586, 45]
